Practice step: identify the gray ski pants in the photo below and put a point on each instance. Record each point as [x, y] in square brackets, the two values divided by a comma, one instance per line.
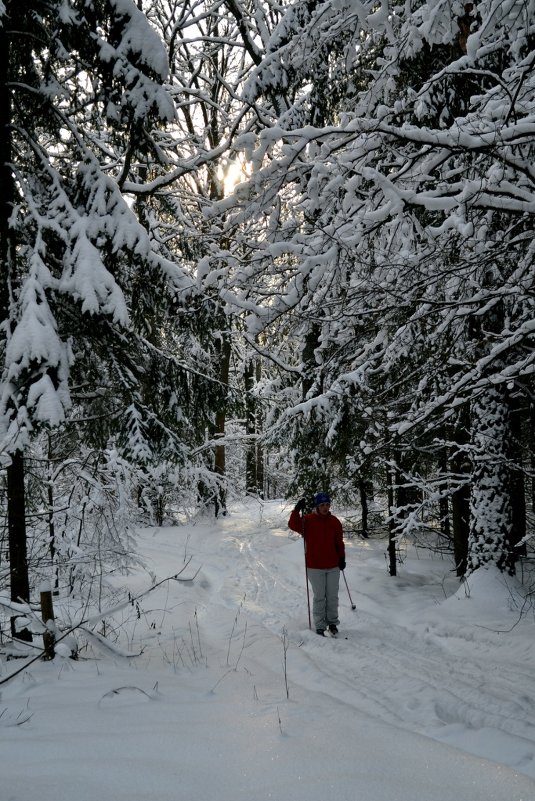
[324, 585]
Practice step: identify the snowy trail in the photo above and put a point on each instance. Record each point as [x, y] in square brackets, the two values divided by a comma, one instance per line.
[203, 712]
[434, 677]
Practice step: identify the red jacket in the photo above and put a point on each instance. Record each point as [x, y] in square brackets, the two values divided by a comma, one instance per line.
[324, 541]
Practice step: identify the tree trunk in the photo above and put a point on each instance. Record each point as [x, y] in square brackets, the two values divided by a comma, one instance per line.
[259, 450]
[251, 484]
[517, 483]
[444, 507]
[391, 483]
[363, 496]
[490, 507]
[460, 468]
[532, 452]
[460, 516]
[220, 500]
[18, 558]
[16, 516]
[51, 515]
[47, 614]
[310, 476]
[254, 456]
[308, 357]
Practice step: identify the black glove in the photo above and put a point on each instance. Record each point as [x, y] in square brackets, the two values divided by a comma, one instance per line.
[342, 564]
[301, 505]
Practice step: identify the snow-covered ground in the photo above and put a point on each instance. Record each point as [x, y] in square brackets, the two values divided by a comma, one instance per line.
[428, 694]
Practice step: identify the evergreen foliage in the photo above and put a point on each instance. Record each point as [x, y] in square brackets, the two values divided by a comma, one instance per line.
[265, 245]
[398, 224]
[97, 340]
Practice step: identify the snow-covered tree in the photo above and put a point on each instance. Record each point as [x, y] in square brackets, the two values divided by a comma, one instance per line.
[397, 219]
[81, 100]
[212, 48]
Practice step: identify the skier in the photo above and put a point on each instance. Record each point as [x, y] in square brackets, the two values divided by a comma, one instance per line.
[324, 558]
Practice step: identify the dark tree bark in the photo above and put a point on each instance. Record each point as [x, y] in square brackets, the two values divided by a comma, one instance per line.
[517, 482]
[391, 483]
[254, 457]
[444, 507]
[18, 562]
[220, 501]
[460, 516]
[18, 558]
[460, 468]
[363, 496]
[250, 431]
[259, 450]
[532, 451]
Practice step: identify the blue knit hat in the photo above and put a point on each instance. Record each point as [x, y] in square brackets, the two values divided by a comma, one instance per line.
[321, 497]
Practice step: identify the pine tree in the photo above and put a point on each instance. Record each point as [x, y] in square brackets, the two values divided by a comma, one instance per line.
[381, 218]
[212, 47]
[80, 96]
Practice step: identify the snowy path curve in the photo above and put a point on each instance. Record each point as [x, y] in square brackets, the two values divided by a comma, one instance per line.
[454, 680]
[203, 710]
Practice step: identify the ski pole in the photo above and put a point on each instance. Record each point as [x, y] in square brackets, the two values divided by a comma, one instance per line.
[306, 572]
[347, 588]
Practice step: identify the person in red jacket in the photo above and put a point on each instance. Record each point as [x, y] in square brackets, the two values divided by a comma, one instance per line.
[324, 558]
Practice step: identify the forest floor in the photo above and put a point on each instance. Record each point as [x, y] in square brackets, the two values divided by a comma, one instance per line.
[427, 694]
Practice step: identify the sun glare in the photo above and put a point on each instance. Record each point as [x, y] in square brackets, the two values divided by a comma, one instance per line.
[233, 174]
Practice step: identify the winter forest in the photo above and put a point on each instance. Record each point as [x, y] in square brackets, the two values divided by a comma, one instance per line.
[260, 248]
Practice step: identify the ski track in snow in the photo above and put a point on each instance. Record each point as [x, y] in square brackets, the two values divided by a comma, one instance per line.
[445, 667]
[206, 709]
